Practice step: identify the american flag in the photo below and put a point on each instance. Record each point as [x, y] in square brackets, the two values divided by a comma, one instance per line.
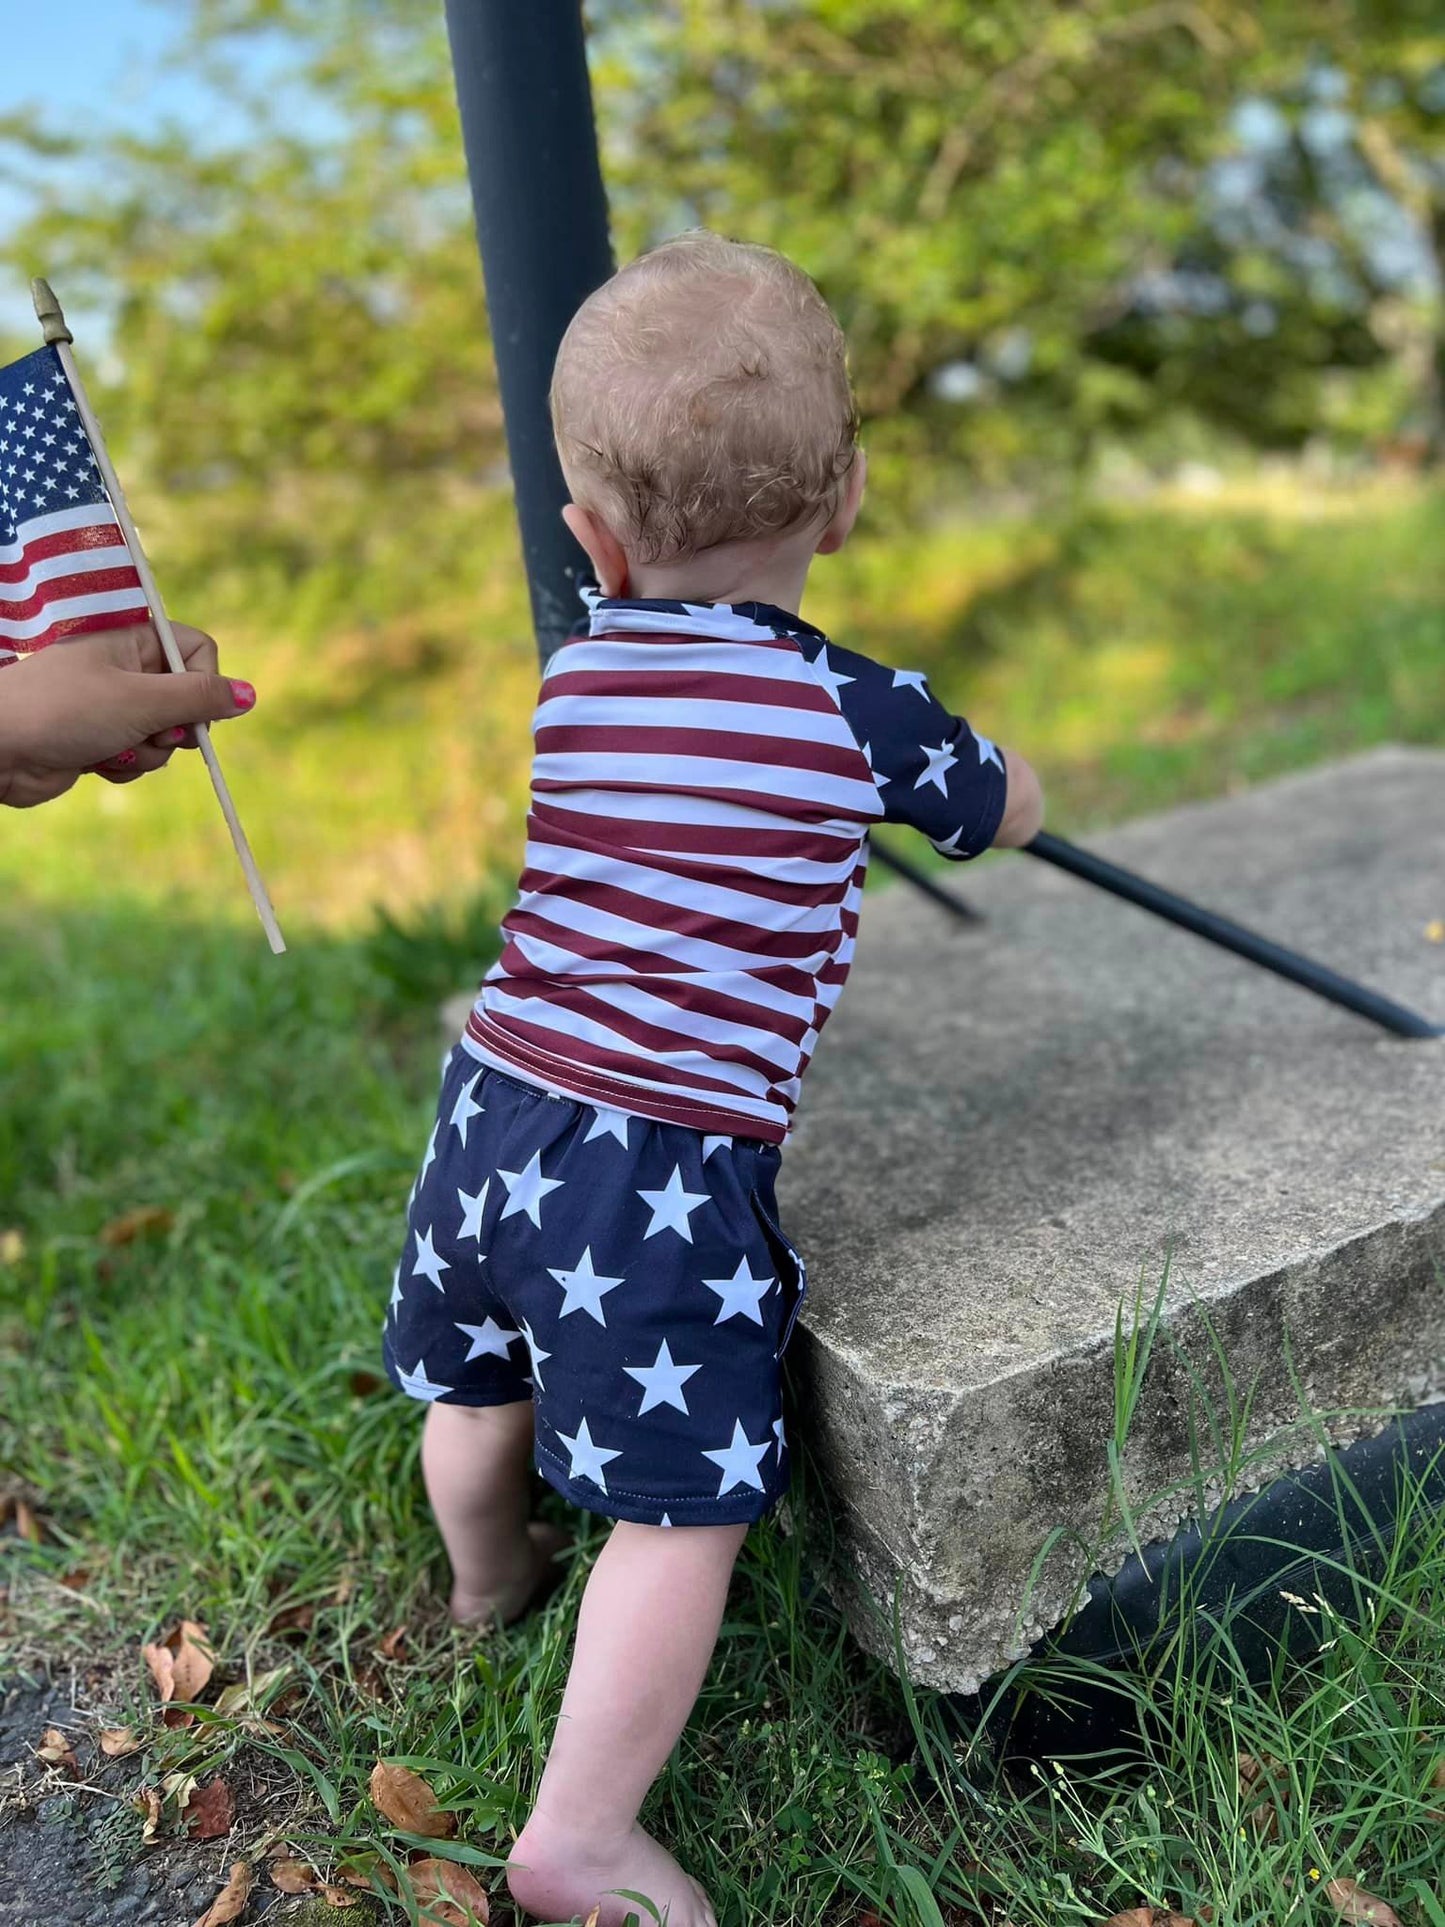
[64, 566]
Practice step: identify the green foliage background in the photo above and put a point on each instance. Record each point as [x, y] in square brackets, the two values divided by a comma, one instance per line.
[287, 339]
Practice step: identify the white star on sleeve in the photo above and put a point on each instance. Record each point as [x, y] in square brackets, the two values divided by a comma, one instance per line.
[428, 1264]
[672, 1207]
[526, 1189]
[536, 1354]
[911, 679]
[465, 1109]
[472, 1209]
[741, 1295]
[949, 846]
[662, 1381]
[940, 762]
[588, 1460]
[711, 1144]
[832, 680]
[488, 1340]
[987, 751]
[739, 1461]
[430, 1158]
[582, 1288]
[418, 1384]
[607, 1123]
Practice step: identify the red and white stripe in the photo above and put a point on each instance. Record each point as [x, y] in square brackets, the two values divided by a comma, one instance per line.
[695, 855]
[66, 574]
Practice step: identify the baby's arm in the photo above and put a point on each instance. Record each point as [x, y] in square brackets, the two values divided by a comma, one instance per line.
[1023, 813]
[933, 772]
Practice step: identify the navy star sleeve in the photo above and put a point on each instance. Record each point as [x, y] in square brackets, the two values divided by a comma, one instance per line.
[933, 771]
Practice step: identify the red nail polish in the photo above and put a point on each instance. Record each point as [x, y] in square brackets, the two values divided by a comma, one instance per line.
[124, 760]
[175, 736]
[244, 694]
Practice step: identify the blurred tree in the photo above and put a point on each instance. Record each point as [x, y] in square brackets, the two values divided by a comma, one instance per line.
[298, 338]
[1019, 210]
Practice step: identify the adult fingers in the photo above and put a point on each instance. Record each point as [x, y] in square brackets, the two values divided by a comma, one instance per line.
[159, 703]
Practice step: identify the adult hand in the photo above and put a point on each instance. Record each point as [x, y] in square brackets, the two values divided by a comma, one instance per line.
[106, 703]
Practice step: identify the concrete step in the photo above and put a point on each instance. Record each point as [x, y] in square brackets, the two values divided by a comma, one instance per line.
[1009, 1128]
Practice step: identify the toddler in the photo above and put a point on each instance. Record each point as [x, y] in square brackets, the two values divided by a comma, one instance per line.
[594, 1271]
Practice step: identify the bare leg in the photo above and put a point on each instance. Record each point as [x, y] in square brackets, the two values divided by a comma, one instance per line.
[475, 1459]
[648, 1624]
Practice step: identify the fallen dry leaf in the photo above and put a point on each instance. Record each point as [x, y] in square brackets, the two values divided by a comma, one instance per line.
[148, 1802]
[76, 1580]
[338, 1896]
[1148, 1917]
[212, 1811]
[1351, 1902]
[363, 1384]
[56, 1750]
[116, 1742]
[1264, 1789]
[390, 1647]
[408, 1802]
[448, 1892]
[292, 1619]
[230, 1903]
[293, 1876]
[248, 1694]
[179, 1787]
[180, 1665]
[131, 1225]
[26, 1523]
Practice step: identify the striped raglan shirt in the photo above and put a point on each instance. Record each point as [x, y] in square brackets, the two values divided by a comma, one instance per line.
[704, 782]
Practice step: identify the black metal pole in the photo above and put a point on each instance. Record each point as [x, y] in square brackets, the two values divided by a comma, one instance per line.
[921, 880]
[531, 144]
[1304, 971]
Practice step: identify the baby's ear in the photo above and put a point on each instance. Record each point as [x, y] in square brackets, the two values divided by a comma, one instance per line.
[604, 551]
[846, 514]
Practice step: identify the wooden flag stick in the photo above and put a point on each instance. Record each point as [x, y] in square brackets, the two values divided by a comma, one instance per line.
[58, 336]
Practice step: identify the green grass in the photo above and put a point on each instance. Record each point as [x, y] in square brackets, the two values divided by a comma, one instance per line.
[196, 1412]
[197, 1416]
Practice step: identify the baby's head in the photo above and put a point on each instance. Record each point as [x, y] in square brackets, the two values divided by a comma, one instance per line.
[701, 403]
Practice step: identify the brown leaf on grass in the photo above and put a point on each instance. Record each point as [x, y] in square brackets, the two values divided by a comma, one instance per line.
[338, 1896]
[117, 1742]
[390, 1647]
[1263, 1789]
[230, 1903]
[1351, 1902]
[292, 1619]
[212, 1811]
[363, 1384]
[180, 1665]
[449, 1893]
[293, 1876]
[56, 1750]
[76, 1580]
[1148, 1917]
[27, 1524]
[148, 1803]
[360, 1870]
[131, 1225]
[246, 1696]
[408, 1802]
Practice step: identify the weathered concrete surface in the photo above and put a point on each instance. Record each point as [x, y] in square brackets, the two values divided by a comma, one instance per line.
[1005, 1129]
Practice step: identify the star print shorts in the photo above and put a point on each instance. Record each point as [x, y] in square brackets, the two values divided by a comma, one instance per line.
[628, 1277]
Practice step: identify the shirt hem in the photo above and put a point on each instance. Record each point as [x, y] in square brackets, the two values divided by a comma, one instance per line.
[561, 1079]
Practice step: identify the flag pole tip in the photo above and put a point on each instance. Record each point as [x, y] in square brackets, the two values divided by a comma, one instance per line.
[48, 311]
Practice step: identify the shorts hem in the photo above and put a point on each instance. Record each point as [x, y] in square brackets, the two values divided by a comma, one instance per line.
[736, 1509]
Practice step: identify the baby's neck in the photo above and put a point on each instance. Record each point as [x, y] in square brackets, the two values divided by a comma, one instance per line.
[737, 573]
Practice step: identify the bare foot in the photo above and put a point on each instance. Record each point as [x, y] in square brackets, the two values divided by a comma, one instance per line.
[554, 1878]
[540, 1575]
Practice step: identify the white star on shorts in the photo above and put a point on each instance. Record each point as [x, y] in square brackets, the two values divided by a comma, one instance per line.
[740, 1461]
